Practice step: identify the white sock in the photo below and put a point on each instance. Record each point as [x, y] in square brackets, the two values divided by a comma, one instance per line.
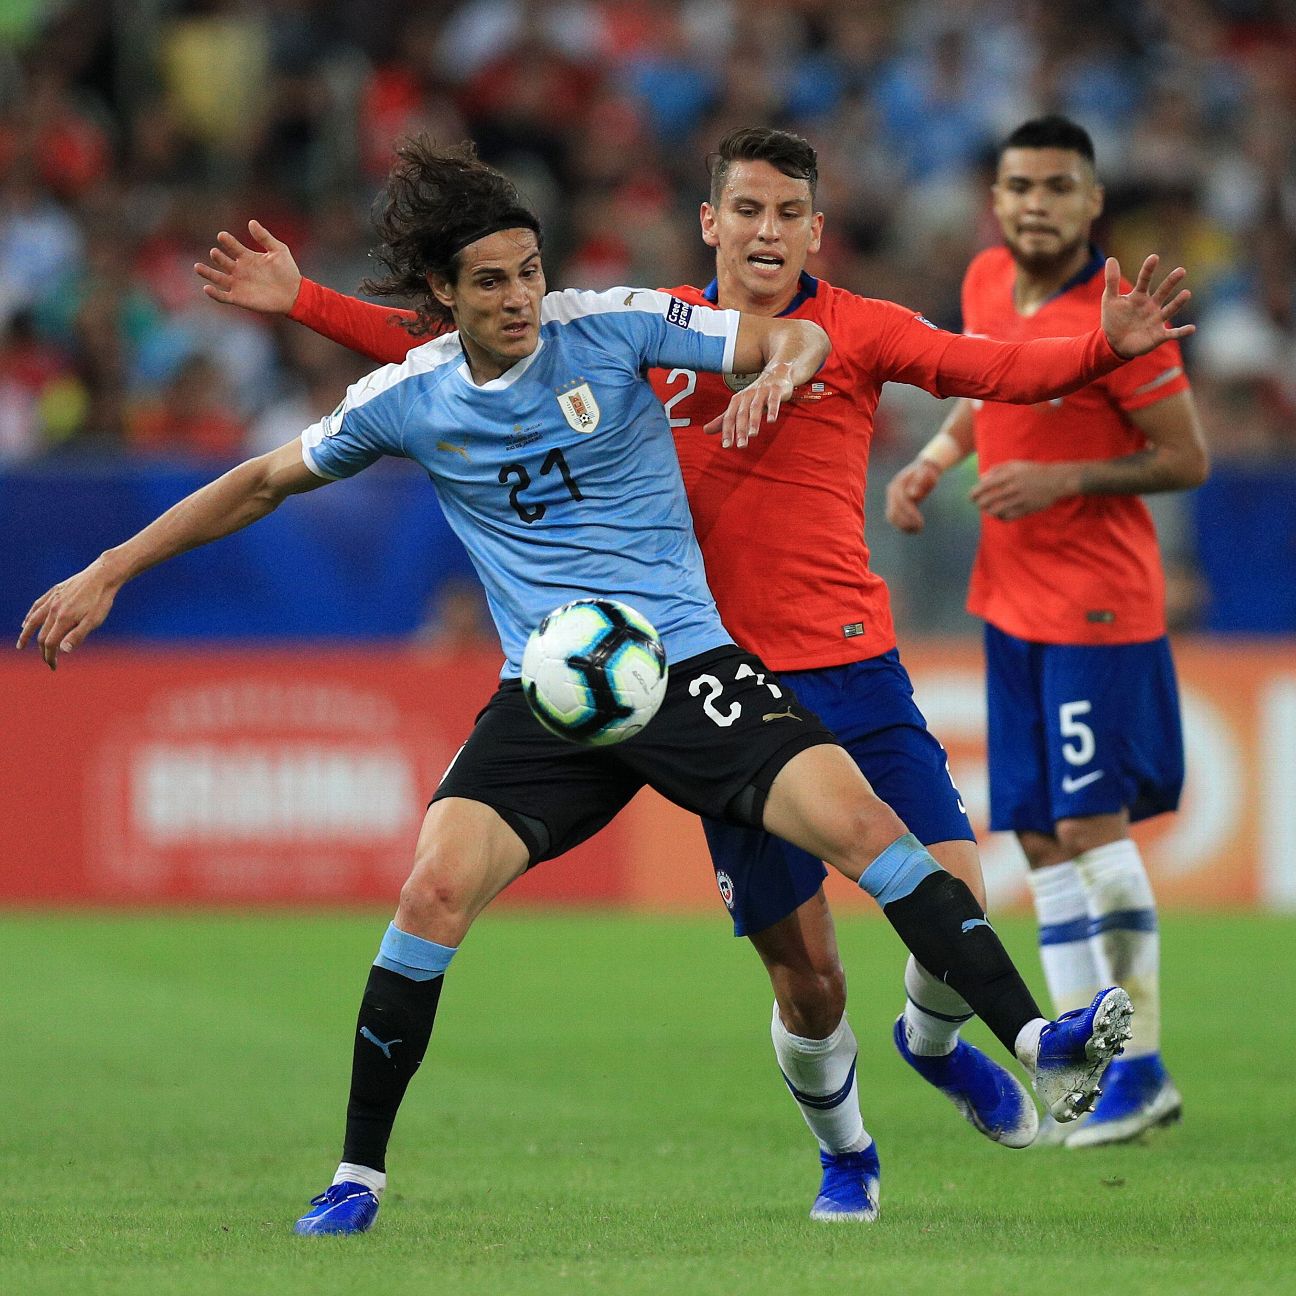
[1125, 942]
[934, 1012]
[350, 1173]
[1026, 1045]
[1070, 969]
[821, 1077]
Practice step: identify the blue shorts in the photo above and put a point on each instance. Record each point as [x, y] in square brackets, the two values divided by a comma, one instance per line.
[1079, 729]
[869, 708]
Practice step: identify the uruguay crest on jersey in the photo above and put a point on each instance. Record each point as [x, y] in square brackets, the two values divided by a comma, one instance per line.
[579, 408]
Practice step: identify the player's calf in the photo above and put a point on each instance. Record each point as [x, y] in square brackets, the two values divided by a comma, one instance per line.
[946, 930]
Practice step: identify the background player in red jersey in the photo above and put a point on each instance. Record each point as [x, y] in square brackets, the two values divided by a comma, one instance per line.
[810, 599]
[1083, 707]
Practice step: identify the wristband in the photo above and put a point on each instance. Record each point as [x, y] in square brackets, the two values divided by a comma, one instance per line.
[942, 451]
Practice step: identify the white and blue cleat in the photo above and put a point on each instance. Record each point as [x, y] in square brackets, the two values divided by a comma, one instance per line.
[852, 1183]
[989, 1097]
[1074, 1052]
[340, 1208]
[1138, 1097]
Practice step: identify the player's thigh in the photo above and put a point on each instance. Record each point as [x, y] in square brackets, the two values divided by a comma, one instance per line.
[1112, 730]
[1016, 735]
[552, 794]
[821, 802]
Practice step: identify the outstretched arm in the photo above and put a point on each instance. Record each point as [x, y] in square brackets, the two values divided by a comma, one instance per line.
[786, 352]
[270, 283]
[916, 480]
[64, 616]
[1023, 373]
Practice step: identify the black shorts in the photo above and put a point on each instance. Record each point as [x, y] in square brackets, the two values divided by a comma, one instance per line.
[725, 729]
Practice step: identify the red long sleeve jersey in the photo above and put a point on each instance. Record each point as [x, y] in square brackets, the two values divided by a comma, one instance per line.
[1086, 570]
[781, 522]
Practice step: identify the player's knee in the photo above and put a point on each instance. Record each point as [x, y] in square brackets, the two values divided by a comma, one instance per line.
[1042, 851]
[1075, 836]
[812, 1002]
[859, 829]
[434, 896]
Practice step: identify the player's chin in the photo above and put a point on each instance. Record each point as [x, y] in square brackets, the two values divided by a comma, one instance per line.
[767, 283]
[517, 341]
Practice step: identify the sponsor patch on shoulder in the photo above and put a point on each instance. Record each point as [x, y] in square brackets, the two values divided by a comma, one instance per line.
[331, 424]
[922, 319]
[679, 313]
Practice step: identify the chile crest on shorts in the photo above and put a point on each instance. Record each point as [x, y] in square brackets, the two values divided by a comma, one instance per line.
[725, 883]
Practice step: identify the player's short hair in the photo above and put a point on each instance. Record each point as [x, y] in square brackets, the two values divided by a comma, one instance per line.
[436, 202]
[1051, 132]
[784, 151]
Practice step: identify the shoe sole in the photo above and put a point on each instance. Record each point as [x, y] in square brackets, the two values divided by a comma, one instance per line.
[1110, 1032]
[1165, 1109]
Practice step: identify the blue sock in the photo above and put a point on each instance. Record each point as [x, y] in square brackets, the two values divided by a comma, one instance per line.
[412, 956]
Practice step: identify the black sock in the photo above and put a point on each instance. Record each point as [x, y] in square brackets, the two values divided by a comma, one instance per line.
[392, 1033]
[947, 932]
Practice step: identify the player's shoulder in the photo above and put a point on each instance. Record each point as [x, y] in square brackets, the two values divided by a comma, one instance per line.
[990, 266]
[426, 364]
[690, 293]
[572, 305]
[839, 310]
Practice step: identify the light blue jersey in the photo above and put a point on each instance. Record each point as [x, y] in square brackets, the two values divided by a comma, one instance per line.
[560, 476]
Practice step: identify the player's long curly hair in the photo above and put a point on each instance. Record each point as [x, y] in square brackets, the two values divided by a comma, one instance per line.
[437, 201]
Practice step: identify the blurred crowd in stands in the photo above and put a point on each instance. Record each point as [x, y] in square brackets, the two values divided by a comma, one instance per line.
[129, 134]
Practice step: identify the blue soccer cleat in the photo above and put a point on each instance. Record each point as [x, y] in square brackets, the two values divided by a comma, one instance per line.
[1074, 1052]
[990, 1098]
[851, 1184]
[1138, 1097]
[341, 1208]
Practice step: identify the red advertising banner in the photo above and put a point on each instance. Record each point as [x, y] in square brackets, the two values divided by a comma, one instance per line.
[300, 775]
[290, 776]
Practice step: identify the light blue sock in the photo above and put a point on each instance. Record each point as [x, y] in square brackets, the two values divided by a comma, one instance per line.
[898, 871]
[412, 956]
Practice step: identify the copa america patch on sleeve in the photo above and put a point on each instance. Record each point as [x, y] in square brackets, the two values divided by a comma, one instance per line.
[679, 313]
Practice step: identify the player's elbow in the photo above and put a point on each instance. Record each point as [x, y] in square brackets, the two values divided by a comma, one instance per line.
[817, 342]
[1194, 467]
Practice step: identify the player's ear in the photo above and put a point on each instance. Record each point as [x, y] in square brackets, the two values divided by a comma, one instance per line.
[816, 232]
[708, 218]
[1096, 201]
[442, 289]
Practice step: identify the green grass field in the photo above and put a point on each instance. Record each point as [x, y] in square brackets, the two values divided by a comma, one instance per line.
[599, 1112]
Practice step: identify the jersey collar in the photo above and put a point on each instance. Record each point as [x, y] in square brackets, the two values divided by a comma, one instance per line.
[507, 378]
[807, 287]
[1097, 260]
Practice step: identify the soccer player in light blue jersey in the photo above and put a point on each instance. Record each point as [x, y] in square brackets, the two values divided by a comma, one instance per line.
[554, 463]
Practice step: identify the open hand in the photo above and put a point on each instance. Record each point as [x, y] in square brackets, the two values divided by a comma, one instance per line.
[64, 616]
[266, 281]
[1137, 321]
[759, 403]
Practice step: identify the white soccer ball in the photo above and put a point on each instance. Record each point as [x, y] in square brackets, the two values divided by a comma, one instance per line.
[594, 671]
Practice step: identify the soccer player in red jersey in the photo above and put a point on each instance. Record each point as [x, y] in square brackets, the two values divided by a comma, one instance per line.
[781, 531]
[1084, 729]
